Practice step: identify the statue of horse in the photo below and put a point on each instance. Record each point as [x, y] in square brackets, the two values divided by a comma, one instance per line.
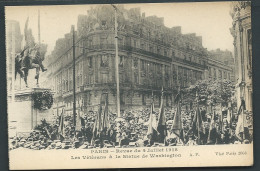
[26, 60]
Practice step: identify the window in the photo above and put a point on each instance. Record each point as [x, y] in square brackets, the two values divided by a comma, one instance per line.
[135, 62]
[136, 78]
[135, 44]
[90, 64]
[102, 42]
[90, 42]
[158, 50]
[142, 46]
[143, 99]
[122, 99]
[142, 65]
[150, 48]
[104, 61]
[220, 74]
[103, 23]
[121, 61]
[165, 52]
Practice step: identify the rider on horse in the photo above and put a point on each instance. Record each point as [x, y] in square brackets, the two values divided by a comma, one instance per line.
[37, 57]
[28, 59]
[31, 58]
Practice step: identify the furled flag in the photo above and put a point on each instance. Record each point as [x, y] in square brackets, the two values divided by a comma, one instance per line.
[28, 37]
[240, 124]
[78, 122]
[152, 121]
[97, 124]
[161, 124]
[61, 125]
[26, 30]
[177, 124]
[228, 116]
[102, 118]
[197, 125]
[105, 122]
[211, 126]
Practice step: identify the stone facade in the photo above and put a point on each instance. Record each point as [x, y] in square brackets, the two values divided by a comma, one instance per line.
[12, 27]
[151, 56]
[242, 33]
[216, 69]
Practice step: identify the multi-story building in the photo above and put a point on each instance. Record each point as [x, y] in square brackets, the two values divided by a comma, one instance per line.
[220, 65]
[13, 40]
[242, 33]
[151, 56]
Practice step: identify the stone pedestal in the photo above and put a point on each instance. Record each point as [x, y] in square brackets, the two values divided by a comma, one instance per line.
[22, 116]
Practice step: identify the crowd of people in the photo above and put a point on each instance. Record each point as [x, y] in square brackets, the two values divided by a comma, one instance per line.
[131, 130]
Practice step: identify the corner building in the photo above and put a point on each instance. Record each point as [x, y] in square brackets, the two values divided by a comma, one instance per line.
[151, 56]
[242, 34]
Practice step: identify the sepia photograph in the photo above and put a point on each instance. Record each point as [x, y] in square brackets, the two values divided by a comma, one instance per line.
[129, 85]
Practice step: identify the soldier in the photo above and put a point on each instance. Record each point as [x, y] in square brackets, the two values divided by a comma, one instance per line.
[38, 59]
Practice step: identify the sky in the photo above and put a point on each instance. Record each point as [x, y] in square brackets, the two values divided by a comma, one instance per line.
[211, 20]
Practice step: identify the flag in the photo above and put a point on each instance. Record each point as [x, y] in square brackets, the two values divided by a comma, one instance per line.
[177, 124]
[240, 124]
[26, 28]
[78, 122]
[61, 124]
[28, 37]
[105, 122]
[197, 125]
[177, 98]
[211, 126]
[161, 124]
[152, 121]
[97, 125]
[102, 119]
[228, 117]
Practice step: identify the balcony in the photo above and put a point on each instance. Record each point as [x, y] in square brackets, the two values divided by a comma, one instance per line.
[189, 62]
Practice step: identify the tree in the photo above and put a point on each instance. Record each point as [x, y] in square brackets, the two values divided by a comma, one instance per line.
[209, 92]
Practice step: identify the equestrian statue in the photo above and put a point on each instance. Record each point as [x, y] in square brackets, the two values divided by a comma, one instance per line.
[30, 58]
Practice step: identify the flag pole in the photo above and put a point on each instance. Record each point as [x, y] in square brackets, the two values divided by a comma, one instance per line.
[243, 128]
[198, 123]
[116, 59]
[74, 73]
[13, 63]
[39, 28]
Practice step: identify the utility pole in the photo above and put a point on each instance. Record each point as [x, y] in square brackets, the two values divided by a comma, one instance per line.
[13, 63]
[74, 73]
[117, 70]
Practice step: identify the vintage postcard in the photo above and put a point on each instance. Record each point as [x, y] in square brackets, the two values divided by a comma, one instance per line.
[129, 85]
